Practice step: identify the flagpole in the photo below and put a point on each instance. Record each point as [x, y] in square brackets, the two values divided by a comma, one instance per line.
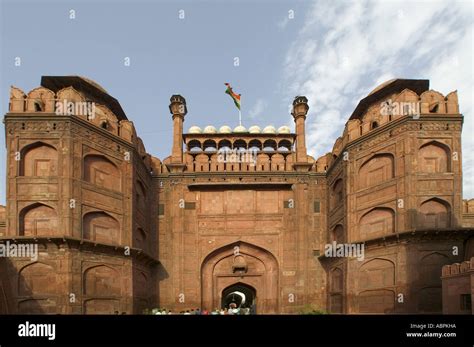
[240, 117]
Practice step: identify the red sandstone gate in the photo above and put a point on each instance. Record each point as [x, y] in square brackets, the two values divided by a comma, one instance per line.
[243, 263]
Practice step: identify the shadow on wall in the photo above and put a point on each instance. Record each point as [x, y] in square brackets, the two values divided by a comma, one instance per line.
[16, 293]
[420, 220]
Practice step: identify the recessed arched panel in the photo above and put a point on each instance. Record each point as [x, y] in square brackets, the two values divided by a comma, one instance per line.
[102, 172]
[430, 268]
[434, 214]
[140, 238]
[38, 220]
[337, 193]
[140, 284]
[430, 300]
[336, 280]
[337, 234]
[101, 227]
[102, 306]
[38, 306]
[376, 273]
[102, 281]
[140, 196]
[469, 248]
[376, 170]
[377, 222]
[39, 159]
[433, 157]
[37, 279]
[376, 301]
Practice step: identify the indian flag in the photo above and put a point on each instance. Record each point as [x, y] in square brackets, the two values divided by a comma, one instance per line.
[234, 96]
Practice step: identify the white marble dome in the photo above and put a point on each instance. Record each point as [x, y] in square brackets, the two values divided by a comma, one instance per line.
[194, 130]
[255, 129]
[240, 129]
[284, 130]
[225, 129]
[210, 130]
[269, 129]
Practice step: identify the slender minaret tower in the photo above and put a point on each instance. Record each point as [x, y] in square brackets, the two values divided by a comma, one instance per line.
[300, 109]
[178, 110]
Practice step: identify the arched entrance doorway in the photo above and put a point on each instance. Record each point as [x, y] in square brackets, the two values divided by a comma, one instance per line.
[241, 295]
[243, 266]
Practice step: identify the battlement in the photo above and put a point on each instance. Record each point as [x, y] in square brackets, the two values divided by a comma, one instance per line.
[387, 103]
[458, 268]
[74, 96]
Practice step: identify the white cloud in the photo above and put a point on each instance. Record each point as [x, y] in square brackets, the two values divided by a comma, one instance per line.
[257, 109]
[345, 49]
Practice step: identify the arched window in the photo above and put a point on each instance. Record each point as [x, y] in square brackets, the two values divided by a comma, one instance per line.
[39, 159]
[374, 125]
[102, 172]
[255, 145]
[38, 107]
[210, 146]
[284, 146]
[224, 145]
[433, 157]
[194, 146]
[240, 145]
[270, 145]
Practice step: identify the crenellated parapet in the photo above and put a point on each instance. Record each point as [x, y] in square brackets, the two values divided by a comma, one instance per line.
[458, 269]
[377, 111]
[468, 213]
[69, 102]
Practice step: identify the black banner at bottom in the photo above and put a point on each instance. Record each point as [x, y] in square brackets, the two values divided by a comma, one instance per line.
[222, 330]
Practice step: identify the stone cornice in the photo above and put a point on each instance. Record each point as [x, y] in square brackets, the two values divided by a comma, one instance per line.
[225, 174]
[84, 245]
[409, 236]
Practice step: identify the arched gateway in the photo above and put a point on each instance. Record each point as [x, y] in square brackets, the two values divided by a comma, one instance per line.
[240, 265]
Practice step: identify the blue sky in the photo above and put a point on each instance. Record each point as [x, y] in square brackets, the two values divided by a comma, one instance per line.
[334, 52]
